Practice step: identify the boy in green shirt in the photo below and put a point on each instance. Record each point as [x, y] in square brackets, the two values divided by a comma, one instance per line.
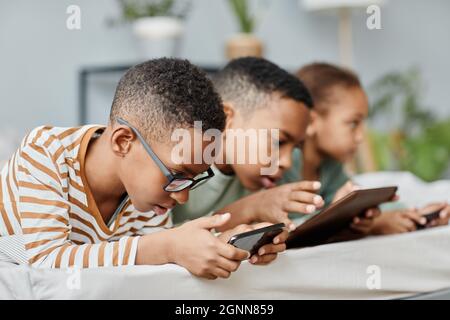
[257, 94]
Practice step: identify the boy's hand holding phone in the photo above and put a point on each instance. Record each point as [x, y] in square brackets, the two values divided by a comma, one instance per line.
[267, 253]
[407, 220]
[194, 247]
[399, 221]
[441, 217]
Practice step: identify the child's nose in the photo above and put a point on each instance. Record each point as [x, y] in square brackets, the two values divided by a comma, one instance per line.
[180, 197]
[285, 160]
[360, 135]
[360, 138]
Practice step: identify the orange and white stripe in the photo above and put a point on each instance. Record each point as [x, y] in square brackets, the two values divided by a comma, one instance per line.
[44, 198]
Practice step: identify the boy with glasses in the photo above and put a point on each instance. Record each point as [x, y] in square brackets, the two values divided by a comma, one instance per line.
[93, 196]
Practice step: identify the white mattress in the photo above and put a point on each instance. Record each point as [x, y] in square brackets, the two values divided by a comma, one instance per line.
[409, 264]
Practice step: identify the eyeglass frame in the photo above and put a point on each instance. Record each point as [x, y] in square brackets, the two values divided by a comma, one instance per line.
[170, 177]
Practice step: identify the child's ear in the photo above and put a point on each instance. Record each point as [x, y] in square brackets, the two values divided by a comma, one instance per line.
[121, 139]
[230, 112]
[313, 119]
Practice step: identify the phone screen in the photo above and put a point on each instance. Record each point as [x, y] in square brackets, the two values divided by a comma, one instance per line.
[253, 240]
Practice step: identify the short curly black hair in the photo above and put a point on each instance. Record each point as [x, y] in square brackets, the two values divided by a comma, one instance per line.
[163, 94]
[249, 82]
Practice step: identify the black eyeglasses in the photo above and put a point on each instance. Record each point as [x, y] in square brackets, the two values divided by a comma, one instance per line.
[176, 182]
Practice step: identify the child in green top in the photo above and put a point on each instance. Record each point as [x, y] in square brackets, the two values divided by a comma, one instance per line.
[333, 136]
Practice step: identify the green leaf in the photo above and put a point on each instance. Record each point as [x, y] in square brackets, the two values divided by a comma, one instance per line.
[421, 144]
[241, 11]
[135, 9]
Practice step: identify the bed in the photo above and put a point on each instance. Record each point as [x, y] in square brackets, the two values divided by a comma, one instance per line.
[414, 265]
[405, 265]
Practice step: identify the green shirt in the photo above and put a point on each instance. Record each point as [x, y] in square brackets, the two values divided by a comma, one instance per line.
[222, 190]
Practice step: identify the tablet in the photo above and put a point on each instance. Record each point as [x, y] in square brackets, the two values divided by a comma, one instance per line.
[338, 216]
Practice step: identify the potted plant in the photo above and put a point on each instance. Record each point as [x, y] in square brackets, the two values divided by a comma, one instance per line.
[156, 24]
[419, 142]
[244, 43]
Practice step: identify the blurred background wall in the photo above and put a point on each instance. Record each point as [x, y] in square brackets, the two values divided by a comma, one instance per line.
[40, 58]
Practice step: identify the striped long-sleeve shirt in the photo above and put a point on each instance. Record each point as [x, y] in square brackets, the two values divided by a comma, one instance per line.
[45, 200]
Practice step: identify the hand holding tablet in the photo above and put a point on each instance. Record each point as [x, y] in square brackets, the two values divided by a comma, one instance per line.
[338, 216]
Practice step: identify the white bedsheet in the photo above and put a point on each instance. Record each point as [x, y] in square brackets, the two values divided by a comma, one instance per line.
[409, 264]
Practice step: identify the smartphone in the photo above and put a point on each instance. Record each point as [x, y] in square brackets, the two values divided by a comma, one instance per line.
[251, 241]
[430, 217]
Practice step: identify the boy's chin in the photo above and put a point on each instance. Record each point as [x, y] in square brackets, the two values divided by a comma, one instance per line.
[349, 157]
[257, 183]
[252, 184]
[143, 207]
[159, 210]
